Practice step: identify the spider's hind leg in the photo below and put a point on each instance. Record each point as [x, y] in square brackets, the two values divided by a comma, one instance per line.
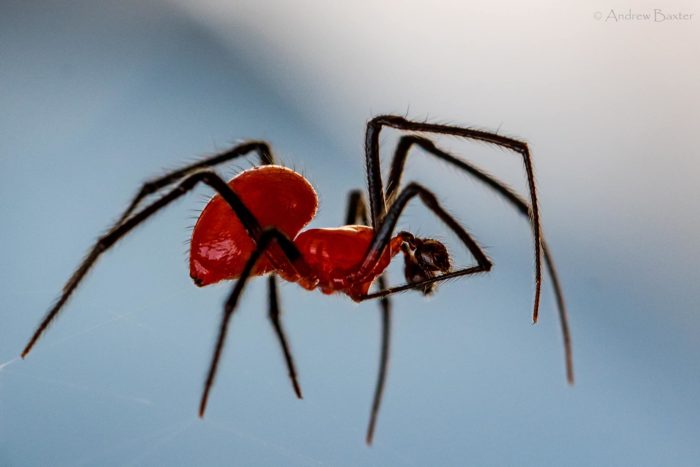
[261, 148]
[116, 233]
[378, 197]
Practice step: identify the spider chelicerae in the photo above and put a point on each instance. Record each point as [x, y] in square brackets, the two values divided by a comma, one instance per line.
[253, 226]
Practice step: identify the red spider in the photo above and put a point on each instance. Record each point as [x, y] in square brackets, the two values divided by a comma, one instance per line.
[253, 227]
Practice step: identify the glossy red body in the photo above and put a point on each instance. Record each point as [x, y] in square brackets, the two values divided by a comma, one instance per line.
[281, 198]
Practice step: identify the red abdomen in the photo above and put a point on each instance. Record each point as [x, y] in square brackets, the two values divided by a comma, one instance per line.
[277, 197]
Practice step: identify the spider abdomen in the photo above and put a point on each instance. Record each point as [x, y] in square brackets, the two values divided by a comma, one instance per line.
[277, 197]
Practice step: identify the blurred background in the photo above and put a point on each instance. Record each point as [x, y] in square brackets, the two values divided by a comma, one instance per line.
[96, 97]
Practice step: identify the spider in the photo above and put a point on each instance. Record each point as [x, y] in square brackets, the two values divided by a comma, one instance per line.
[253, 226]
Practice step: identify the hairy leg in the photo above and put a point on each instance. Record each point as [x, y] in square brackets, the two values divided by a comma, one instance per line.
[377, 196]
[357, 212]
[274, 315]
[394, 181]
[113, 236]
[264, 241]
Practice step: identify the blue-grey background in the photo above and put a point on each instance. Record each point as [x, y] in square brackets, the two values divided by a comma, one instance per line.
[95, 97]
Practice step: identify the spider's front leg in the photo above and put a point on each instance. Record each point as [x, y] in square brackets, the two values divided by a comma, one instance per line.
[529, 209]
[357, 212]
[376, 189]
[381, 239]
[383, 234]
[398, 162]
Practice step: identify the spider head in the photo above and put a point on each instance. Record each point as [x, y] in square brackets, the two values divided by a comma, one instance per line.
[424, 258]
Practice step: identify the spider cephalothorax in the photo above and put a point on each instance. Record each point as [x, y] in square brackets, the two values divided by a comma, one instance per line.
[253, 226]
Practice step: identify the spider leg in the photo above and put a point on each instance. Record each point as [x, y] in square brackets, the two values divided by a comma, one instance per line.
[151, 186]
[264, 241]
[274, 314]
[383, 363]
[382, 237]
[110, 238]
[357, 211]
[379, 243]
[377, 195]
[394, 180]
